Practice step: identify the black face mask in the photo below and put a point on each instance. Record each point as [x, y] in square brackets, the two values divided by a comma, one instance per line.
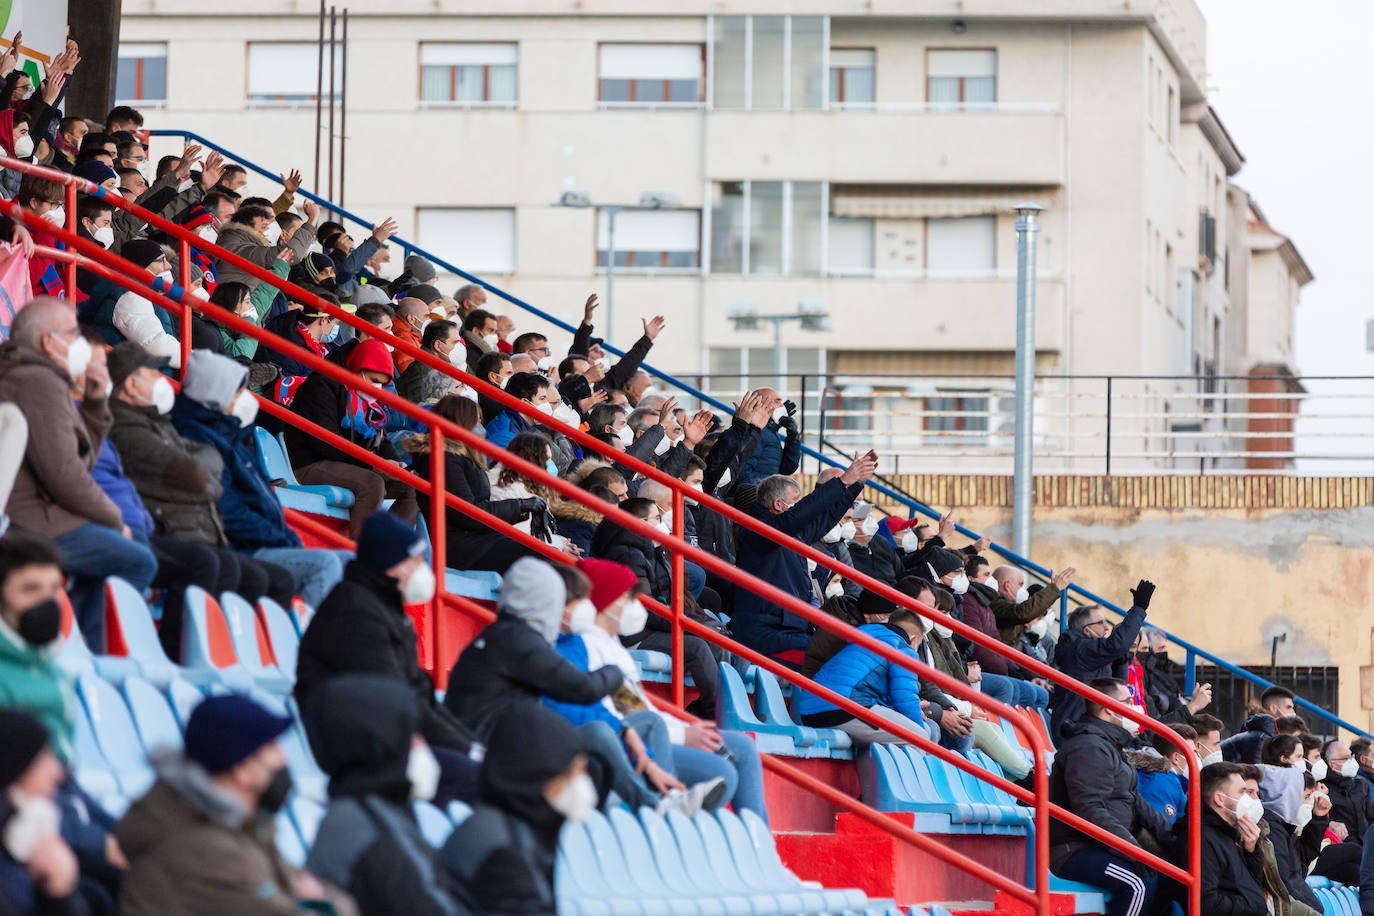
[274, 796]
[329, 283]
[41, 624]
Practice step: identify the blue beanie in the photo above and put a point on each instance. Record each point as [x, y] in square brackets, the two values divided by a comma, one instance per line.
[224, 731]
[386, 540]
[95, 171]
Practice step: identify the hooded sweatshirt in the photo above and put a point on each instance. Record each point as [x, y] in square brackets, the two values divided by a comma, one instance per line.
[513, 663]
[1281, 792]
[503, 855]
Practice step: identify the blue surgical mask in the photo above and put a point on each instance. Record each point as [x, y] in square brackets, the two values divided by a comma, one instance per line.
[551, 467]
[332, 335]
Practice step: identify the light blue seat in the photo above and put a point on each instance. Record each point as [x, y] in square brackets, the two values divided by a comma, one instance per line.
[656, 667]
[289, 844]
[639, 872]
[895, 777]
[207, 645]
[701, 867]
[92, 771]
[579, 882]
[794, 899]
[152, 714]
[435, 826]
[771, 707]
[183, 696]
[752, 845]
[606, 847]
[736, 713]
[243, 628]
[309, 780]
[115, 733]
[129, 632]
[75, 658]
[1088, 898]
[291, 493]
[458, 812]
[306, 814]
[684, 874]
[478, 584]
[281, 631]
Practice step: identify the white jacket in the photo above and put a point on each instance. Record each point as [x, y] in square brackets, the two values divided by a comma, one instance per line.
[135, 319]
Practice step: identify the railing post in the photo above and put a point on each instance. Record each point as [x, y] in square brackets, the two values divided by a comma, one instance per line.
[70, 207]
[184, 280]
[1063, 611]
[679, 583]
[435, 621]
[1189, 673]
[1109, 426]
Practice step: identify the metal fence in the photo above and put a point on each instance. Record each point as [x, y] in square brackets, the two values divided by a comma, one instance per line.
[1085, 424]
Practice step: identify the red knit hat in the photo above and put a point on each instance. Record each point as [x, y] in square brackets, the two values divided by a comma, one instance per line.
[609, 581]
[371, 354]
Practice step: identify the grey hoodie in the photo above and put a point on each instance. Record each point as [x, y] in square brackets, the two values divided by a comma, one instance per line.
[532, 592]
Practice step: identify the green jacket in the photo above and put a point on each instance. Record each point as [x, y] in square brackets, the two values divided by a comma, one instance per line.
[31, 680]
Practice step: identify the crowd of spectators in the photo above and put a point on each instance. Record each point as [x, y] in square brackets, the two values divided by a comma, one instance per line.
[141, 467]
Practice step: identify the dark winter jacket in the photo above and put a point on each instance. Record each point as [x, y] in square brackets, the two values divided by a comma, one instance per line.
[575, 521]
[1164, 688]
[1244, 746]
[648, 561]
[1351, 804]
[368, 843]
[866, 678]
[325, 402]
[1232, 879]
[730, 454]
[1092, 778]
[1086, 658]
[421, 383]
[767, 559]
[1293, 852]
[878, 559]
[1013, 617]
[249, 509]
[467, 539]
[977, 612]
[503, 855]
[619, 375]
[1162, 788]
[361, 627]
[286, 326]
[774, 454]
[715, 533]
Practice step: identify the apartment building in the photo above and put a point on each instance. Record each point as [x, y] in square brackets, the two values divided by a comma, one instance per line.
[864, 156]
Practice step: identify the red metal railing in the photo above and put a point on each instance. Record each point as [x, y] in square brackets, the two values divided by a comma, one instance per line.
[114, 269]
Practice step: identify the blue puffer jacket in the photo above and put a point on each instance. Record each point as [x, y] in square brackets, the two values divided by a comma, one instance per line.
[869, 680]
[505, 426]
[108, 474]
[252, 516]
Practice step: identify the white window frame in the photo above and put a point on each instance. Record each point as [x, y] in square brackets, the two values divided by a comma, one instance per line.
[505, 264]
[831, 67]
[159, 52]
[475, 49]
[308, 99]
[961, 273]
[628, 222]
[701, 75]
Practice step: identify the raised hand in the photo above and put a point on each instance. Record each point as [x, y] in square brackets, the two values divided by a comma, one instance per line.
[385, 230]
[291, 182]
[594, 373]
[10, 59]
[864, 467]
[695, 429]
[665, 413]
[1142, 593]
[946, 529]
[312, 212]
[212, 170]
[589, 308]
[1062, 579]
[983, 543]
[189, 157]
[653, 326]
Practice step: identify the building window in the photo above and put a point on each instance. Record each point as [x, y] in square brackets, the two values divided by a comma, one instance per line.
[852, 77]
[477, 240]
[769, 63]
[851, 246]
[651, 239]
[956, 419]
[961, 246]
[142, 75]
[288, 73]
[768, 228]
[642, 74]
[468, 73]
[961, 78]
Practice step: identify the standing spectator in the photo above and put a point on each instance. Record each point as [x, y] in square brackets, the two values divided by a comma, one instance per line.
[43, 367]
[201, 840]
[362, 627]
[1014, 606]
[1363, 751]
[38, 870]
[1232, 861]
[359, 418]
[1244, 746]
[1164, 683]
[368, 843]
[1092, 778]
[775, 454]
[1091, 649]
[758, 624]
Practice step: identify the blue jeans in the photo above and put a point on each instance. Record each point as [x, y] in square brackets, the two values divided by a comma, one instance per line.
[604, 744]
[90, 553]
[315, 571]
[696, 578]
[1014, 691]
[742, 771]
[1134, 890]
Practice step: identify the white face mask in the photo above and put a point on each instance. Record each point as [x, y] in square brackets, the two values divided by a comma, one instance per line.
[582, 616]
[545, 364]
[663, 446]
[1022, 595]
[208, 233]
[546, 408]
[34, 820]
[1318, 769]
[870, 526]
[626, 436]
[847, 531]
[778, 413]
[1130, 725]
[273, 232]
[605, 363]
[1350, 768]
[910, 543]
[491, 340]
[943, 630]
[200, 294]
[960, 584]
[1250, 807]
[23, 147]
[163, 396]
[78, 356]
[104, 235]
[1304, 815]
[57, 216]
[689, 500]
[633, 617]
[665, 522]
[244, 409]
[577, 799]
[1209, 759]
[423, 771]
[469, 393]
[419, 588]
[834, 588]
[833, 535]
[166, 277]
[457, 356]
[567, 415]
[1039, 627]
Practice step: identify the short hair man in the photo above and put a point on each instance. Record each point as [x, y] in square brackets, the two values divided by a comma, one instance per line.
[1352, 802]
[1091, 648]
[1244, 746]
[1232, 861]
[1092, 778]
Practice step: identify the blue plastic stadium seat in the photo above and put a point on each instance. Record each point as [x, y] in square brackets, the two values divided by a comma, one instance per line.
[896, 777]
[310, 781]
[289, 844]
[637, 869]
[184, 697]
[480, 585]
[458, 812]
[281, 632]
[74, 657]
[656, 667]
[770, 705]
[758, 864]
[129, 632]
[207, 645]
[578, 877]
[704, 867]
[1088, 898]
[435, 826]
[291, 493]
[115, 733]
[92, 771]
[674, 869]
[248, 643]
[734, 712]
[306, 814]
[152, 714]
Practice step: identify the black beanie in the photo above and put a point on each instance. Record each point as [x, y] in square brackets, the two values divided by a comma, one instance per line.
[25, 738]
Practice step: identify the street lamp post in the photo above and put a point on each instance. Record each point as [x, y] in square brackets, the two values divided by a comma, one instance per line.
[1027, 227]
[811, 314]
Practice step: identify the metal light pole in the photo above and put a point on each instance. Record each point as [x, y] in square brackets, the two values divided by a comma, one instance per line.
[811, 314]
[1027, 227]
[611, 212]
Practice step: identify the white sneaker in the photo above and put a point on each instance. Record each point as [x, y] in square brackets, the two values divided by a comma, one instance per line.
[675, 800]
[707, 795]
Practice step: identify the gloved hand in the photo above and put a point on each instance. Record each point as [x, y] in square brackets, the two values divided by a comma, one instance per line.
[1140, 595]
[789, 421]
[533, 506]
[790, 407]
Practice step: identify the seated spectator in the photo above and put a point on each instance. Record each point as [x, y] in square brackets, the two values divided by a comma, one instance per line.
[216, 408]
[234, 297]
[471, 544]
[512, 662]
[1209, 730]
[1003, 679]
[872, 554]
[495, 370]
[38, 870]
[421, 383]
[1293, 825]
[573, 520]
[310, 328]
[1352, 803]
[1164, 682]
[508, 423]
[479, 336]
[359, 418]
[377, 314]
[1092, 778]
[502, 856]
[757, 623]
[30, 622]
[1244, 746]
[507, 483]
[415, 269]
[1162, 773]
[1091, 650]
[825, 645]
[1362, 749]
[1232, 861]
[202, 839]
[362, 627]
[349, 261]
[412, 317]
[121, 314]
[367, 740]
[889, 691]
[43, 367]
[1014, 610]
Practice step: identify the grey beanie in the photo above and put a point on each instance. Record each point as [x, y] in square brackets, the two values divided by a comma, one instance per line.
[367, 294]
[531, 591]
[212, 380]
[418, 266]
